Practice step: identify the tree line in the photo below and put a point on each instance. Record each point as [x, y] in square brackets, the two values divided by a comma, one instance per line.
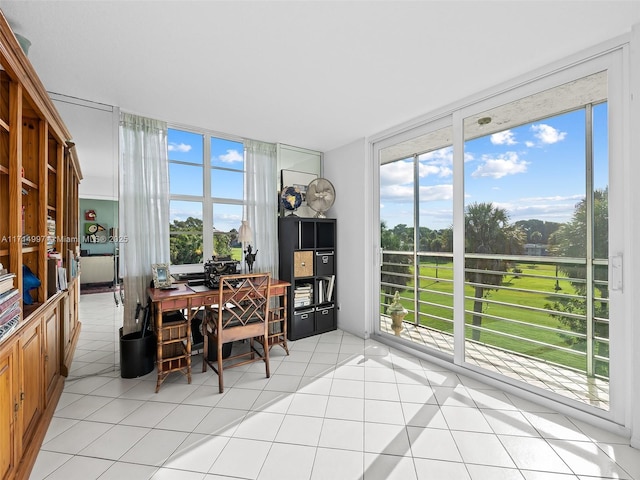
[488, 231]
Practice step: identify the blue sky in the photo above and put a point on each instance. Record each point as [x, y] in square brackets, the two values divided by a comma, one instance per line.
[535, 171]
[227, 160]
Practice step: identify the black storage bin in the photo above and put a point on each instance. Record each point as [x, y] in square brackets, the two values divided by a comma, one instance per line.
[326, 318]
[137, 354]
[324, 263]
[303, 323]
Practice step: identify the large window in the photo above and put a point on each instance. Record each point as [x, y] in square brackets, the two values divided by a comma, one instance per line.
[206, 177]
[510, 275]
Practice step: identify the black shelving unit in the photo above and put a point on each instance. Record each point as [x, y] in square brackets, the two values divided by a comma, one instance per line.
[307, 248]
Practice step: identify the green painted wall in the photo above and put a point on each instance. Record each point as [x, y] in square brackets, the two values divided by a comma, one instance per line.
[106, 216]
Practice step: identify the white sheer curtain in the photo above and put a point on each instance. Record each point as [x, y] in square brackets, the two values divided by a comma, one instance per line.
[262, 203]
[144, 207]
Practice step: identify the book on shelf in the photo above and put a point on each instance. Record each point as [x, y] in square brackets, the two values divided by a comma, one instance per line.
[6, 282]
[325, 289]
[10, 314]
[8, 299]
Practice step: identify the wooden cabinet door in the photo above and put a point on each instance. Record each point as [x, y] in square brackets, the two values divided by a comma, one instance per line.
[51, 352]
[8, 407]
[31, 396]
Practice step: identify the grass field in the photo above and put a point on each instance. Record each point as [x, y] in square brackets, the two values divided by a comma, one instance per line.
[541, 335]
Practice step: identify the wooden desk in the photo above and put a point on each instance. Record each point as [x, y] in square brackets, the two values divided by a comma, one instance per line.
[174, 338]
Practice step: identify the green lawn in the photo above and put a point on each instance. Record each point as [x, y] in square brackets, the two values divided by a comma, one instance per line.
[544, 281]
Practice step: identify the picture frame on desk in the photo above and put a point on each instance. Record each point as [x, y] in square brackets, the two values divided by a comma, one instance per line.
[161, 275]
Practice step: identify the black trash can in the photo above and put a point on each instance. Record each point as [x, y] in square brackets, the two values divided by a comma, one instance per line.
[137, 354]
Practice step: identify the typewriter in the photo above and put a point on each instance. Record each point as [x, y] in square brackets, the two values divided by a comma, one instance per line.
[218, 266]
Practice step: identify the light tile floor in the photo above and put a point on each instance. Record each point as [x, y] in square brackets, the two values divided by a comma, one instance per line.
[337, 408]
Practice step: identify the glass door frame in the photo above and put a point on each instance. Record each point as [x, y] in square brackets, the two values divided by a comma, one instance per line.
[610, 60]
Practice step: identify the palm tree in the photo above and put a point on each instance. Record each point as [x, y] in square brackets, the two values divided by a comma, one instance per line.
[488, 232]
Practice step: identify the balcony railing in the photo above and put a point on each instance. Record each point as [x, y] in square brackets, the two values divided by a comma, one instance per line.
[550, 309]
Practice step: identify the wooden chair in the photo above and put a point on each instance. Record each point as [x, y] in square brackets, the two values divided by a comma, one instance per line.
[241, 313]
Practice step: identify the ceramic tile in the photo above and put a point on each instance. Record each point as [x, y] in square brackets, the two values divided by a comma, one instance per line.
[221, 421]
[241, 458]
[442, 470]
[342, 434]
[533, 454]
[155, 447]
[337, 407]
[259, 426]
[299, 430]
[114, 443]
[433, 443]
[81, 468]
[385, 438]
[482, 448]
[388, 467]
[196, 453]
[338, 464]
[297, 458]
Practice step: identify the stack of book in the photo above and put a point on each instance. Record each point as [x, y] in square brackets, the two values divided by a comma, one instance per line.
[9, 304]
[302, 295]
[51, 234]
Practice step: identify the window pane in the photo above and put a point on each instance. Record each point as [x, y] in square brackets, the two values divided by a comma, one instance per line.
[185, 146]
[185, 232]
[226, 221]
[396, 205]
[226, 184]
[185, 179]
[601, 181]
[227, 154]
[435, 175]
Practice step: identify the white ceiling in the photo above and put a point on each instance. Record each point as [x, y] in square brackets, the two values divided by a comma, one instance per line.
[317, 74]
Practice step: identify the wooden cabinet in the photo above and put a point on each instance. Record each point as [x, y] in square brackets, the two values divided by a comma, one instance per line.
[39, 176]
[8, 411]
[51, 348]
[30, 394]
[307, 248]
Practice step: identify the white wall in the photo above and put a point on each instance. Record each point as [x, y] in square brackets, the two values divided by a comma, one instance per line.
[94, 128]
[346, 169]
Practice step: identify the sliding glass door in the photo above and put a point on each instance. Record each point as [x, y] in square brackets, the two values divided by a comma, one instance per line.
[495, 232]
[416, 218]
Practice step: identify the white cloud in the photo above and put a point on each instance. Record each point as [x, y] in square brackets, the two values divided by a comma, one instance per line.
[397, 193]
[179, 147]
[546, 134]
[435, 193]
[501, 166]
[232, 156]
[396, 173]
[503, 138]
[530, 144]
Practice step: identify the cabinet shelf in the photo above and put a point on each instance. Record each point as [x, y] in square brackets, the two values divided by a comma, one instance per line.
[29, 183]
[4, 125]
[4, 170]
